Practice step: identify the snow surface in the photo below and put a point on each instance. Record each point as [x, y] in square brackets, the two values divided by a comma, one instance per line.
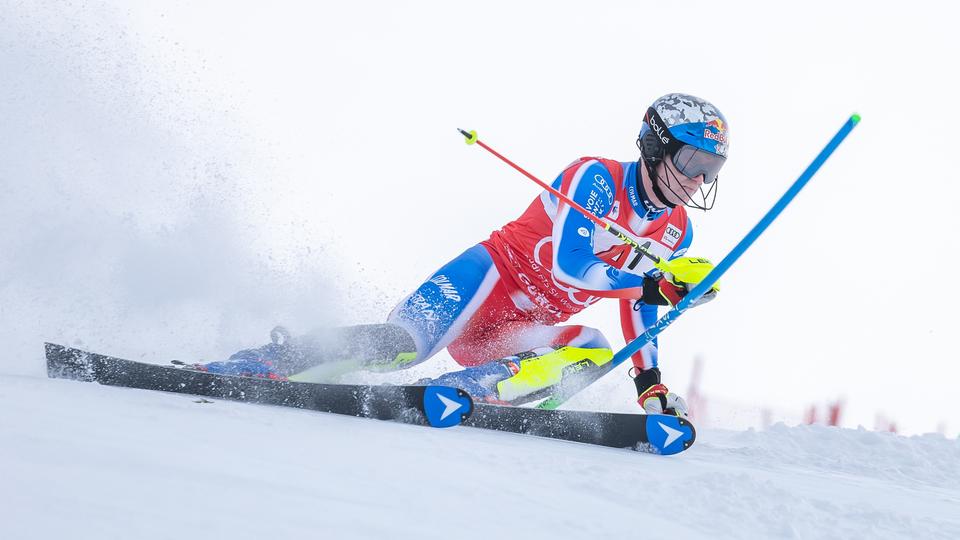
[80, 460]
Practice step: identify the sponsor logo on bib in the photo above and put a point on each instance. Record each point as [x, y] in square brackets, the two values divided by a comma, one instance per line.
[671, 236]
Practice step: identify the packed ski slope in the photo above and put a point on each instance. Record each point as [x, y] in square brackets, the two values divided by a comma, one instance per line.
[80, 460]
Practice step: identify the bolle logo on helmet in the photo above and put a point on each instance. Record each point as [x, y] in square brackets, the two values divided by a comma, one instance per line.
[658, 129]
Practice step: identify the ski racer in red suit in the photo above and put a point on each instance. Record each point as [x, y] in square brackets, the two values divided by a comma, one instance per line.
[498, 307]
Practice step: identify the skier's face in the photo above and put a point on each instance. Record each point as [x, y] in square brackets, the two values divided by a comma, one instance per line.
[675, 186]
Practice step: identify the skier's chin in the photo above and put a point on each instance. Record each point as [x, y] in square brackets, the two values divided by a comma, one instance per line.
[676, 200]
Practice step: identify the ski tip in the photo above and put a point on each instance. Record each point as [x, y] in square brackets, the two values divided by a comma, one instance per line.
[668, 435]
[855, 118]
[68, 363]
[445, 406]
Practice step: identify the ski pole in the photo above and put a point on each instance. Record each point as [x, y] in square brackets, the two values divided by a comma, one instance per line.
[569, 390]
[662, 265]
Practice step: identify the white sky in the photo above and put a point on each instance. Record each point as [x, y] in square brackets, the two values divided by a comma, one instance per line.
[324, 134]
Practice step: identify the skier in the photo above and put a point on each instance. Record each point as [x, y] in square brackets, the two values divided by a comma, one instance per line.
[497, 307]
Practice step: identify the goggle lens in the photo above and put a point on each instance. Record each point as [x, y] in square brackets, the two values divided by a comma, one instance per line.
[692, 161]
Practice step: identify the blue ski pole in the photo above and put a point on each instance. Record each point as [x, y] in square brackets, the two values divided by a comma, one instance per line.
[569, 390]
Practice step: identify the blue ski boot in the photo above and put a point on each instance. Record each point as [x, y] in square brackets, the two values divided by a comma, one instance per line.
[263, 362]
[480, 381]
[526, 376]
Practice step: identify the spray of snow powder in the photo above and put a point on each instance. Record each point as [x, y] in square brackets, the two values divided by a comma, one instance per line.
[129, 220]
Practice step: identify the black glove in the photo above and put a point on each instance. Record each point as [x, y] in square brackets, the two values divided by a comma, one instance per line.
[661, 292]
[668, 288]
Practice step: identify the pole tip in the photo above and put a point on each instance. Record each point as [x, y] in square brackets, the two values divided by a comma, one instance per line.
[470, 135]
[855, 118]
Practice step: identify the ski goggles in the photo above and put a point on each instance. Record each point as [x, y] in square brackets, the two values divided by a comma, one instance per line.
[691, 161]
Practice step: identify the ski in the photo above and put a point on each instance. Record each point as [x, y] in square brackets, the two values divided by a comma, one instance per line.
[437, 406]
[652, 433]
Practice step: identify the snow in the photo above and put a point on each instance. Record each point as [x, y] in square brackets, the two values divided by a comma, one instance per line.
[80, 460]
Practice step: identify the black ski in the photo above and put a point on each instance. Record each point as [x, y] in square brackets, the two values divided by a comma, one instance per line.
[426, 405]
[438, 406]
[653, 433]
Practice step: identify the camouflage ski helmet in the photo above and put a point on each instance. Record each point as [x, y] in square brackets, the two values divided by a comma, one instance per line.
[689, 129]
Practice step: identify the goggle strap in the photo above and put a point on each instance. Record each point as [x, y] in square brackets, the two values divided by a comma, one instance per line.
[662, 133]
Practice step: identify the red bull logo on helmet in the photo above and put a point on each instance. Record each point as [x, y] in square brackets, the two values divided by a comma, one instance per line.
[718, 125]
[721, 131]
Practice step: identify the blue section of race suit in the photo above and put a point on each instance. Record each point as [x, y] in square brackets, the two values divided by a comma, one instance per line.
[592, 187]
[434, 313]
[649, 313]
[648, 317]
[637, 196]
